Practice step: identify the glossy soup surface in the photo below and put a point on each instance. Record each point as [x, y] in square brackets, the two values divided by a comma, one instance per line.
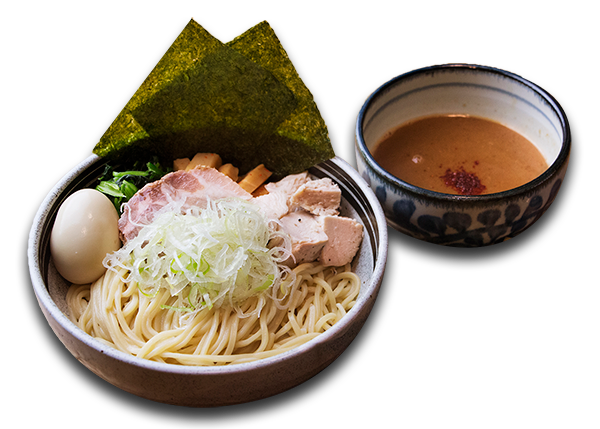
[459, 155]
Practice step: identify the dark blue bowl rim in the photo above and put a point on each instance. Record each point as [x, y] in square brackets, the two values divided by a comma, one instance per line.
[426, 193]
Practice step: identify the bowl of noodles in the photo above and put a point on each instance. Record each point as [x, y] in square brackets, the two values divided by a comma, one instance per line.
[224, 357]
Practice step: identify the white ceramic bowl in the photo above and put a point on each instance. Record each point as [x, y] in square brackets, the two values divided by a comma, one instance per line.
[464, 220]
[211, 386]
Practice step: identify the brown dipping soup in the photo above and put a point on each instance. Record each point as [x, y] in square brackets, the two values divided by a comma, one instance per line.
[459, 154]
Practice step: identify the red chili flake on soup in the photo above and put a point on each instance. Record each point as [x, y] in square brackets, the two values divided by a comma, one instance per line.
[463, 182]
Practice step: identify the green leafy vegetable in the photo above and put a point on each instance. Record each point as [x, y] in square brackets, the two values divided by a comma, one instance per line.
[120, 186]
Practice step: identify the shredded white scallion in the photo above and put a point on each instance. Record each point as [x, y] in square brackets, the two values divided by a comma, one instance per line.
[222, 254]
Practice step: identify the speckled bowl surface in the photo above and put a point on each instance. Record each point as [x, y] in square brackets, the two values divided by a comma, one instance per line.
[464, 220]
[211, 386]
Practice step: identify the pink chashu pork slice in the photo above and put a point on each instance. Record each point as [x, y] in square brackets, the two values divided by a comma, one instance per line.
[195, 187]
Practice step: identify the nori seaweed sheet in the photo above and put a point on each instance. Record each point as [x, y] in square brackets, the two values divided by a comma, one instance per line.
[243, 100]
[193, 43]
[305, 125]
[223, 82]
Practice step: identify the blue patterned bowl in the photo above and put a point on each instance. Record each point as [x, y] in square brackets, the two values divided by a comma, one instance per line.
[464, 220]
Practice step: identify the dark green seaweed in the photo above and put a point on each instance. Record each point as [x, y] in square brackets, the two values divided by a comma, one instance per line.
[243, 100]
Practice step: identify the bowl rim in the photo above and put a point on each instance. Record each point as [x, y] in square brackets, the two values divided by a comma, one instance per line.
[47, 303]
[393, 181]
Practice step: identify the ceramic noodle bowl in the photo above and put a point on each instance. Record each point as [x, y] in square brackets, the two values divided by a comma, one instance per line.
[220, 385]
[490, 93]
